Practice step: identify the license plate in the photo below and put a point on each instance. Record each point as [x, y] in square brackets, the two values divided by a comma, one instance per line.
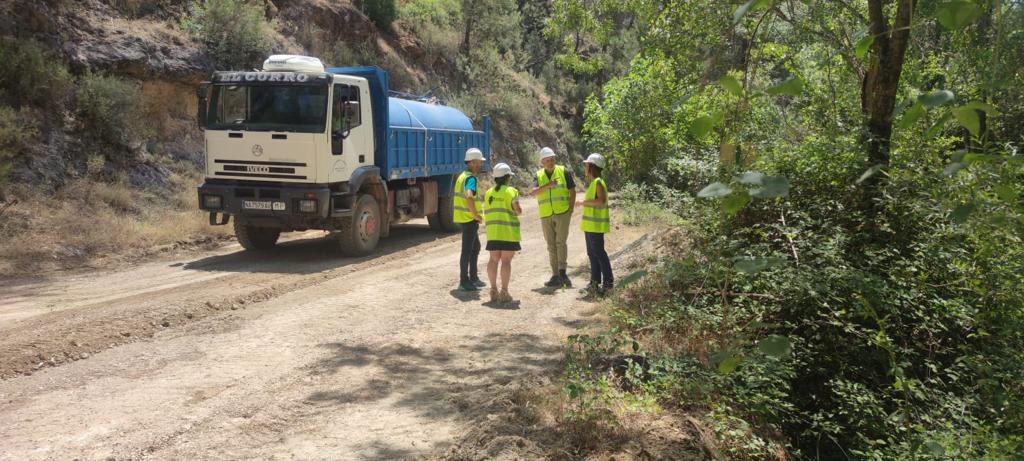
[254, 205]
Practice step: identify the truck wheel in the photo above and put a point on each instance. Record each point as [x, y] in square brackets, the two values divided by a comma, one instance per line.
[444, 220]
[361, 232]
[256, 238]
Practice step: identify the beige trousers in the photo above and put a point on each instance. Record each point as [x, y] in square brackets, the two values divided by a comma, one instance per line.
[556, 233]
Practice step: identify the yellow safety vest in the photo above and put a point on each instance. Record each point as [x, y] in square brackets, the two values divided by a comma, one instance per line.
[501, 219]
[556, 199]
[595, 218]
[460, 204]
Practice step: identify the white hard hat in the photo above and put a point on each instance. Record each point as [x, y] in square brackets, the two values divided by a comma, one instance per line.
[596, 159]
[501, 170]
[474, 154]
[546, 152]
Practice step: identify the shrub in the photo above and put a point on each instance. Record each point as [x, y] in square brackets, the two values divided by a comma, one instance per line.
[348, 54]
[17, 128]
[445, 13]
[109, 109]
[233, 31]
[434, 22]
[31, 75]
[139, 8]
[381, 12]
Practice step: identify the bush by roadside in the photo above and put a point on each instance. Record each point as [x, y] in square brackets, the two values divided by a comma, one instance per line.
[18, 128]
[235, 32]
[110, 111]
[32, 75]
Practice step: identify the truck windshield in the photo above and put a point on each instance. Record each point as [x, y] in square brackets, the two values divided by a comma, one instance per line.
[291, 108]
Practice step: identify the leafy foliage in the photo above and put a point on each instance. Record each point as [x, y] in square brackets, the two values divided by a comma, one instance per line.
[235, 32]
[31, 75]
[17, 130]
[110, 111]
[381, 12]
[861, 309]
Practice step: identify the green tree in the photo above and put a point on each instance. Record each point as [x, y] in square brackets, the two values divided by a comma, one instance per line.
[381, 12]
[235, 32]
[854, 330]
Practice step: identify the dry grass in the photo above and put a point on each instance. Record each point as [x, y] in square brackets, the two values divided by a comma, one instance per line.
[88, 220]
[528, 419]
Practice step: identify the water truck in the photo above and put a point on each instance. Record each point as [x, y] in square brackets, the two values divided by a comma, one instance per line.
[297, 146]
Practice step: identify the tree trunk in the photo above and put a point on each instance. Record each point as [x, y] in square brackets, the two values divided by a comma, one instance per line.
[882, 80]
[879, 89]
[467, 33]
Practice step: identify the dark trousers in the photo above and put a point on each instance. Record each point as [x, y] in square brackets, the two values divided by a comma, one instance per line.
[600, 265]
[470, 251]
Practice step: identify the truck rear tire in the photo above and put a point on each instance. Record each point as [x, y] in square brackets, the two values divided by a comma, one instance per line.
[360, 233]
[444, 220]
[254, 238]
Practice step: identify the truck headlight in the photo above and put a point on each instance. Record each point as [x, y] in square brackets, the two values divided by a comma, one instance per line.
[307, 206]
[212, 202]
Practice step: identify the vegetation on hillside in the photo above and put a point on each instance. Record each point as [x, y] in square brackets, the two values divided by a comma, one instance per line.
[63, 123]
[848, 177]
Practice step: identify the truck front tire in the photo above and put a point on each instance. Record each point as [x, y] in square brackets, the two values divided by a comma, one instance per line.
[444, 219]
[360, 233]
[254, 238]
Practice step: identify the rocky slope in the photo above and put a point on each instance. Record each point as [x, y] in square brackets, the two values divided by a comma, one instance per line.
[142, 41]
[150, 169]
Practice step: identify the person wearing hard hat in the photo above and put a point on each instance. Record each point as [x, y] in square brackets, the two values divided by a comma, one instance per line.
[594, 224]
[501, 213]
[555, 190]
[466, 214]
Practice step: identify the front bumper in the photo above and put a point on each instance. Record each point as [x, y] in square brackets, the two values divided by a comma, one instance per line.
[267, 205]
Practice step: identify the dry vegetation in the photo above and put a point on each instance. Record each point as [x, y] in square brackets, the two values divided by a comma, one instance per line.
[533, 418]
[89, 219]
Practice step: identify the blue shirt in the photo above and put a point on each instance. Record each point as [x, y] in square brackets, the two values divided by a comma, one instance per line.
[470, 184]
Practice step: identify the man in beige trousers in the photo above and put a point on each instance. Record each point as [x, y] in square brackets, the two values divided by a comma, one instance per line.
[555, 190]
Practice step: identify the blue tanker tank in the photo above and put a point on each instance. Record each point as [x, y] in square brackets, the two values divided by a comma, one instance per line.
[416, 139]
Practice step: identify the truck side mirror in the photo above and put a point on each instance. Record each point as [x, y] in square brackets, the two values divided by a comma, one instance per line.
[201, 95]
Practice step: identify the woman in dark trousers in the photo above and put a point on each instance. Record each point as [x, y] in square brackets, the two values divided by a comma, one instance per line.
[595, 224]
[466, 213]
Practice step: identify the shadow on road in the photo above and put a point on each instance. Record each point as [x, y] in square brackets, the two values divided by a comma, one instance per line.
[546, 291]
[465, 296]
[503, 305]
[310, 256]
[575, 323]
[432, 382]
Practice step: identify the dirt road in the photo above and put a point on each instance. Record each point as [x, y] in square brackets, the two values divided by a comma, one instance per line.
[297, 353]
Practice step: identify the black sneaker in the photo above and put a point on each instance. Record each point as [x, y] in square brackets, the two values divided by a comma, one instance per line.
[468, 286]
[566, 283]
[590, 289]
[555, 281]
[478, 283]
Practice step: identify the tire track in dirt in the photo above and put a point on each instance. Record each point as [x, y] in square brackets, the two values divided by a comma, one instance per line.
[49, 335]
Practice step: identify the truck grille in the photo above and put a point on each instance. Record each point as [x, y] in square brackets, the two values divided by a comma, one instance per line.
[255, 169]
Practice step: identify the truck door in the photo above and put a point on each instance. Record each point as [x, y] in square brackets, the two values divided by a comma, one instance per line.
[351, 127]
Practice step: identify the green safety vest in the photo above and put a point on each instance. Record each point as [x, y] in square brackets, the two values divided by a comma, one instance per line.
[595, 218]
[501, 219]
[555, 200]
[460, 204]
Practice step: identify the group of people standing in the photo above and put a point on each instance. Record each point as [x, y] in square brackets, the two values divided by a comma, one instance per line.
[499, 210]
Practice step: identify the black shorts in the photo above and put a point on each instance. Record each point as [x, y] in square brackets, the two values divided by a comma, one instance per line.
[501, 245]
